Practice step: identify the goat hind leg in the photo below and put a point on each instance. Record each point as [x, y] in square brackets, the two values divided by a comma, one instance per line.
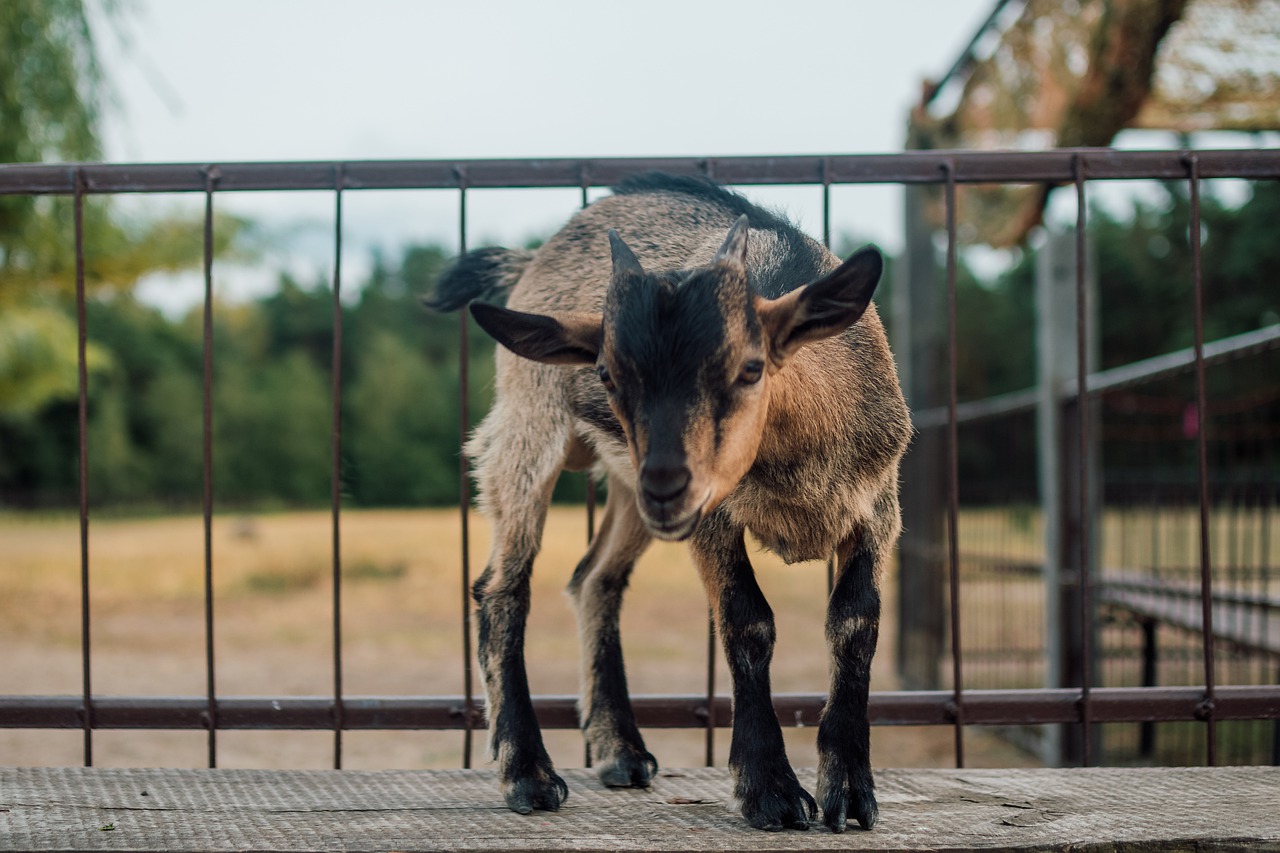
[608, 722]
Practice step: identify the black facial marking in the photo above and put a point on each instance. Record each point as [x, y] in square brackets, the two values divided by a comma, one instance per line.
[667, 330]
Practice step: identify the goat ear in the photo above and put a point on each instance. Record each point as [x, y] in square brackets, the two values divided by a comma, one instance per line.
[625, 261]
[734, 249]
[822, 308]
[571, 338]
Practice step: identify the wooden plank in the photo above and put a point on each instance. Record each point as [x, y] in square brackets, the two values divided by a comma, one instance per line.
[1134, 809]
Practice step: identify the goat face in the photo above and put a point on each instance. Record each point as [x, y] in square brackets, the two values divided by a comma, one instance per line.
[688, 359]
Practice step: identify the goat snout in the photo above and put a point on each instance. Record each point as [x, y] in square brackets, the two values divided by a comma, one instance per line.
[664, 481]
[666, 504]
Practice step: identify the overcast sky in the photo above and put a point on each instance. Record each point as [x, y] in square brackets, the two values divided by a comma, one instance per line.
[289, 79]
[327, 80]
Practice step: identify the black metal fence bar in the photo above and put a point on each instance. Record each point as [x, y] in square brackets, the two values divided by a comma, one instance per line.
[591, 482]
[953, 467]
[584, 186]
[709, 704]
[1082, 456]
[826, 241]
[1202, 463]
[906, 168]
[707, 168]
[82, 338]
[335, 492]
[206, 468]
[445, 713]
[464, 494]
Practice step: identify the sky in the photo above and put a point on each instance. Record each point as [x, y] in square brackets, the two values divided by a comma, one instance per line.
[331, 79]
[283, 79]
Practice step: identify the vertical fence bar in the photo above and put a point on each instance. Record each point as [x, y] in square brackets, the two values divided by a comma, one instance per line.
[826, 241]
[464, 490]
[585, 181]
[953, 466]
[1264, 571]
[1202, 457]
[206, 466]
[710, 734]
[709, 170]
[826, 202]
[1082, 396]
[82, 428]
[336, 469]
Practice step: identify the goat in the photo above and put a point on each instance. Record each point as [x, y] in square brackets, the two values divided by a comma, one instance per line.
[721, 384]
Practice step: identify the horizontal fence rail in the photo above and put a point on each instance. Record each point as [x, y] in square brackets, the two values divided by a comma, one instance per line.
[1182, 361]
[960, 707]
[970, 167]
[888, 708]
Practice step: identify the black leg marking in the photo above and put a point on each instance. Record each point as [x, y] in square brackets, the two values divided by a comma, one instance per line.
[764, 782]
[609, 724]
[528, 779]
[845, 784]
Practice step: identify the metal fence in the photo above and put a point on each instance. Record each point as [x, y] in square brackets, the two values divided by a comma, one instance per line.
[1081, 706]
[1148, 624]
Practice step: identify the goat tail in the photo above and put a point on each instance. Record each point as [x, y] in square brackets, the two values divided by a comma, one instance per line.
[481, 274]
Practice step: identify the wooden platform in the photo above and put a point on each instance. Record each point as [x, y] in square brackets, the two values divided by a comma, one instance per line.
[1235, 808]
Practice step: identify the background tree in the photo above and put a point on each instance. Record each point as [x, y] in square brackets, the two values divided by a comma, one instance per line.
[52, 92]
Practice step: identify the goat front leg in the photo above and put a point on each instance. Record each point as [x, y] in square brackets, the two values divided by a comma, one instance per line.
[764, 783]
[846, 788]
[515, 477]
[528, 779]
[608, 721]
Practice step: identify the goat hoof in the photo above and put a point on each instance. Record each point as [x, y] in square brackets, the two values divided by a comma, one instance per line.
[845, 800]
[630, 769]
[543, 790]
[778, 803]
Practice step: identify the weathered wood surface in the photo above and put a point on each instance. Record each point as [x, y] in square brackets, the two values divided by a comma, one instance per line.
[1233, 808]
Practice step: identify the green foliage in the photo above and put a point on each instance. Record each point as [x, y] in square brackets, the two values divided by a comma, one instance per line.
[50, 93]
[1144, 272]
[271, 431]
[403, 444]
[272, 401]
[272, 380]
[1145, 295]
[50, 103]
[38, 360]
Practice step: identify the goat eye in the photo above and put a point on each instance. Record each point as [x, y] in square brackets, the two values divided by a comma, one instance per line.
[605, 379]
[751, 372]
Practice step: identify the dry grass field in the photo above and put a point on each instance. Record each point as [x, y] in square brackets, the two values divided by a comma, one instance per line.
[401, 620]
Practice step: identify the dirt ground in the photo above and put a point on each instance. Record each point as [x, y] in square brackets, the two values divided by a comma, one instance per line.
[402, 635]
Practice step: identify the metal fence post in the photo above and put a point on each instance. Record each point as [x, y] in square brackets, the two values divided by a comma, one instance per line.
[918, 342]
[1059, 474]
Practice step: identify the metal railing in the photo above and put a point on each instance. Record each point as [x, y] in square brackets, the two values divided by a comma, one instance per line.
[959, 707]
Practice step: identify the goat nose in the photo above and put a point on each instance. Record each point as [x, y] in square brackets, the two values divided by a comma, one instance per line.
[664, 481]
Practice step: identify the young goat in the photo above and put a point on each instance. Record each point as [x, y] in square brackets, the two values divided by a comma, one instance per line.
[744, 387]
